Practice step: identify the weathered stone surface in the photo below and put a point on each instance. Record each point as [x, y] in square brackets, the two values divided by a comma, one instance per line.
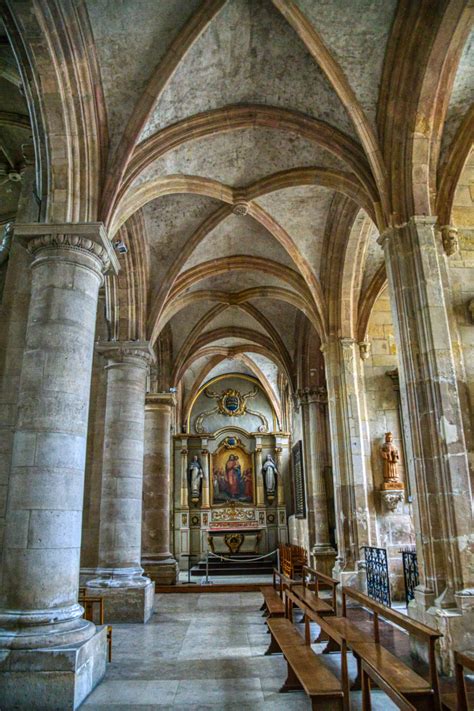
[57, 678]
[127, 604]
[161, 572]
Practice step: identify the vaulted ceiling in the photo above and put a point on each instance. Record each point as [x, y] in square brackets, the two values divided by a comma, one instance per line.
[247, 168]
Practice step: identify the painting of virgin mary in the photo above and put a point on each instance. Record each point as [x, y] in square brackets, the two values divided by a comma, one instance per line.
[232, 477]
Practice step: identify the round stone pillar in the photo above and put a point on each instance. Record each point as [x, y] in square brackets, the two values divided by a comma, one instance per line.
[39, 587]
[122, 467]
[157, 558]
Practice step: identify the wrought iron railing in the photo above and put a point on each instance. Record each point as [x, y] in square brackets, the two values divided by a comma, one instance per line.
[410, 571]
[376, 570]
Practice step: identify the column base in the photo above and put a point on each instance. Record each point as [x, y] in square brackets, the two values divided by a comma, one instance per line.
[456, 624]
[324, 558]
[125, 604]
[162, 572]
[53, 677]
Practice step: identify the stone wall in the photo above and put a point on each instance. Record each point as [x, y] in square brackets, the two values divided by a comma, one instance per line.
[461, 282]
[394, 529]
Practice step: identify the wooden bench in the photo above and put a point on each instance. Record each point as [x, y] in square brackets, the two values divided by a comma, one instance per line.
[89, 603]
[308, 592]
[368, 674]
[272, 602]
[461, 699]
[367, 648]
[305, 670]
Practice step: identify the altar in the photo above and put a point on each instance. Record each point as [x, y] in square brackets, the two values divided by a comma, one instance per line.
[234, 540]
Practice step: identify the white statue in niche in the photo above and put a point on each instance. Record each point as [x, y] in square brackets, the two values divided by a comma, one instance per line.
[197, 474]
[270, 471]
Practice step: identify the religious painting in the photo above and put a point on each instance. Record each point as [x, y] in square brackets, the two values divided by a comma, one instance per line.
[232, 476]
[298, 480]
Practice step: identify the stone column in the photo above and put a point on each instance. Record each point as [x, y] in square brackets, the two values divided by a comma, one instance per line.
[258, 472]
[437, 460]
[314, 403]
[184, 490]
[157, 559]
[129, 596]
[205, 504]
[350, 458]
[39, 591]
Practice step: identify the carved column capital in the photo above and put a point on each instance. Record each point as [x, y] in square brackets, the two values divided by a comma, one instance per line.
[123, 352]
[307, 396]
[160, 401]
[81, 239]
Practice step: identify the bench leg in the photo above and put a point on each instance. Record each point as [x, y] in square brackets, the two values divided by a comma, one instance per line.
[273, 647]
[262, 606]
[322, 637]
[322, 704]
[332, 646]
[357, 683]
[292, 682]
[345, 676]
[366, 704]
[421, 703]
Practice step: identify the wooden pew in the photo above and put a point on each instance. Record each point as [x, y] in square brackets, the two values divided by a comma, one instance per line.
[368, 673]
[367, 648]
[308, 592]
[305, 670]
[89, 603]
[461, 699]
[274, 605]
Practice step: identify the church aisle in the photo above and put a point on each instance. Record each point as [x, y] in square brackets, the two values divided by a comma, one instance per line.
[199, 651]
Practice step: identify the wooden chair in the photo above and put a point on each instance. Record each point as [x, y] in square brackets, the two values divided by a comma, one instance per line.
[89, 604]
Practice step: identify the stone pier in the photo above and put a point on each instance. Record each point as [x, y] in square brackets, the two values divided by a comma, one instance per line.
[157, 559]
[50, 657]
[437, 456]
[129, 595]
[350, 458]
[314, 402]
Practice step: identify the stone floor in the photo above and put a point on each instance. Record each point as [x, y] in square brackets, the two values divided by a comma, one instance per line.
[201, 651]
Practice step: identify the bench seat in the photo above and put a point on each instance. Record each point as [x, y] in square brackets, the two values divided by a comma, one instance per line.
[312, 601]
[273, 602]
[305, 669]
[397, 674]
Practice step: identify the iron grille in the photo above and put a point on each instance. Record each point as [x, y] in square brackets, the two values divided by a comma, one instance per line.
[376, 569]
[410, 572]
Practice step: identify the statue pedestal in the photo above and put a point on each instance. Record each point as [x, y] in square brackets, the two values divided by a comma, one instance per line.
[392, 497]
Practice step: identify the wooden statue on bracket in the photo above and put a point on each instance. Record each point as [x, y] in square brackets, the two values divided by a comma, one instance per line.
[391, 457]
